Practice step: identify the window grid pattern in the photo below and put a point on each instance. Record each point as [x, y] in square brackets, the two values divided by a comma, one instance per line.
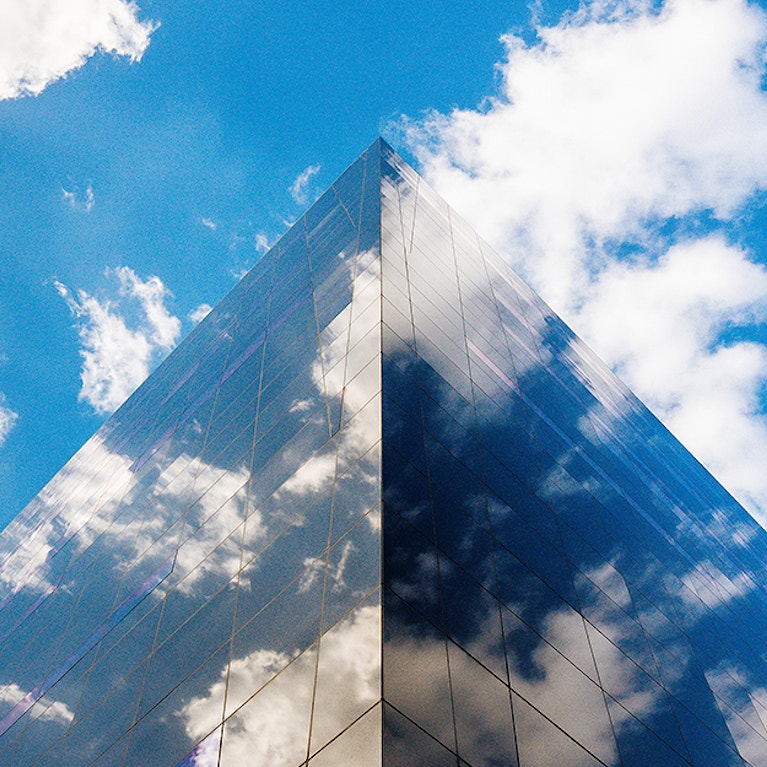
[563, 583]
[186, 589]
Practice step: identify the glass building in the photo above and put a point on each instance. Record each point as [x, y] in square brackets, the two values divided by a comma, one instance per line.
[382, 507]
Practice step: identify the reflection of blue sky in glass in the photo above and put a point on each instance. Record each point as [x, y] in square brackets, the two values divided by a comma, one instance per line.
[93, 639]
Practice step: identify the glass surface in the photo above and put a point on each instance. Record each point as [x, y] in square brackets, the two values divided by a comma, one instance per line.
[554, 537]
[406, 744]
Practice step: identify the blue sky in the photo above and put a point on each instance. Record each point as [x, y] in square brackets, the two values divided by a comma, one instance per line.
[149, 153]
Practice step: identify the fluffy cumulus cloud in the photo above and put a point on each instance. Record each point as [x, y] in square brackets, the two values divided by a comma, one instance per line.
[122, 338]
[42, 40]
[620, 124]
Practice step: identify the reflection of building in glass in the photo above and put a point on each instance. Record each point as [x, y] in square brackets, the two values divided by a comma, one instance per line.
[382, 507]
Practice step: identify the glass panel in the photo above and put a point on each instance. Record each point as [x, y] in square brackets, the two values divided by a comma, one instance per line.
[415, 672]
[405, 744]
[273, 726]
[541, 744]
[348, 672]
[359, 745]
[482, 705]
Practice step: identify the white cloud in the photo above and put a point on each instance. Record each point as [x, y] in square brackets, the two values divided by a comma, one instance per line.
[77, 201]
[604, 124]
[262, 243]
[299, 189]
[200, 313]
[116, 357]
[163, 327]
[617, 120]
[209, 223]
[660, 324]
[7, 419]
[42, 40]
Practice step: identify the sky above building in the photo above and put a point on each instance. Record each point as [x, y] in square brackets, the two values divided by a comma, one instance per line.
[150, 153]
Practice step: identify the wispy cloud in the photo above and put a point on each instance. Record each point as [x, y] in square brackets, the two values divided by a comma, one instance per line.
[620, 124]
[7, 419]
[116, 356]
[262, 243]
[41, 41]
[209, 223]
[299, 189]
[78, 201]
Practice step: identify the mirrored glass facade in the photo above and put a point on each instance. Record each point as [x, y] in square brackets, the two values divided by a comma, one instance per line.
[382, 507]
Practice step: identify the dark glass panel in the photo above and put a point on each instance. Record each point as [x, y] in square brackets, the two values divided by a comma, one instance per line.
[104, 722]
[411, 566]
[482, 706]
[416, 680]
[405, 744]
[406, 492]
[706, 748]
[651, 738]
[472, 617]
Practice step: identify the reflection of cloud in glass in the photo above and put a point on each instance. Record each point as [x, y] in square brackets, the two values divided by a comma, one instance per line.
[205, 754]
[81, 502]
[569, 698]
[95, 480]
[709, 585]
[272, 728]
[214, 542]
[315, 566]
[347, 374]
[543, 672]
[55, 711]
[415, 682]
[598, 379]
[743, 706]
[359, 745]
